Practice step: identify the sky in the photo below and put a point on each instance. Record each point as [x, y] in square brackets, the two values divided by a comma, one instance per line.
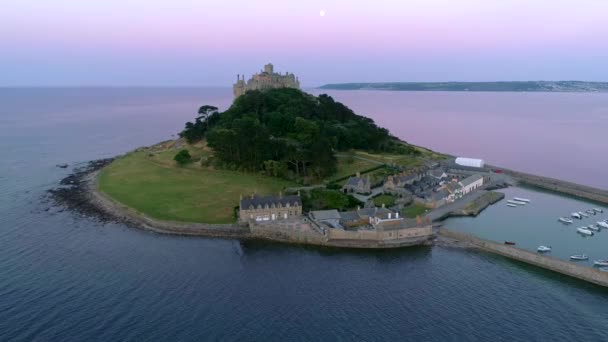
[208, 42]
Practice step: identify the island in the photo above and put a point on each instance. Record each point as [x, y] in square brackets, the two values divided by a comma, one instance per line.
[284, 165]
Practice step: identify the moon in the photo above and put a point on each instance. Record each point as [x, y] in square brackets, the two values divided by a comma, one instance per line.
[322, 13]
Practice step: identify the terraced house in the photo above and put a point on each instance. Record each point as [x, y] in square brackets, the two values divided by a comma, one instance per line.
[269, 208]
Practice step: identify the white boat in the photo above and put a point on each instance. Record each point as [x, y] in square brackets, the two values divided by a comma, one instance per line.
[511, 205]
[543, 249]
[521, 199]
[600, 263]
[565, 220]
[579, 257]
[516, 202]
[584, 231]
[583, 214]
[590, 211]
[603, 269]
[598, 210]
[593, 227]
[576, 216]
[602, 224]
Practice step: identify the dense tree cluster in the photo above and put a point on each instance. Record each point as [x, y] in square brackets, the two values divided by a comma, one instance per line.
[287, 132]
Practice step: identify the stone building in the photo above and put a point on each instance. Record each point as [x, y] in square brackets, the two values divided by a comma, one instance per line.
[269, 208]
[265, 79]
[471, 183]
[358, 184]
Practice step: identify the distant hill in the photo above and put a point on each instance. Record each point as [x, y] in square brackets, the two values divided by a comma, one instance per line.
[517, 86]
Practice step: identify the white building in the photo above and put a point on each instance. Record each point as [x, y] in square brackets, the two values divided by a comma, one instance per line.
[471, 183]
[470, 162]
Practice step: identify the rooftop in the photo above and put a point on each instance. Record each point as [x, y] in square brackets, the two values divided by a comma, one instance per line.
[325, 214]
[471, 179]
[261, 201]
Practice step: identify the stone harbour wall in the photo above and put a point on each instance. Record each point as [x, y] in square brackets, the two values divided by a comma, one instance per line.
[585, 273]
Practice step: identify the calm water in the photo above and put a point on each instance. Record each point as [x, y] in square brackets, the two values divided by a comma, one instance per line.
[560, 135]
[68, 278]
[536, 224]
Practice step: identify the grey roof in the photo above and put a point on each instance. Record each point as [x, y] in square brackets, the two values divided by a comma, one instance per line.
[255, 201]
[471, 179]
[437, 173]
[349, 216]
[383, 213]
[439, 195]
[325, 214]
[452, 186]
[354, 181]
[406, 178]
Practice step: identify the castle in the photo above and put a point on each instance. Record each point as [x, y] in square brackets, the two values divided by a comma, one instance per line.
[266, 79]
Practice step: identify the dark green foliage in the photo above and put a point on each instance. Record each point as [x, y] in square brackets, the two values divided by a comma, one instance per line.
[193, 132]
[298, 131]
[183, 157]
[321, 199]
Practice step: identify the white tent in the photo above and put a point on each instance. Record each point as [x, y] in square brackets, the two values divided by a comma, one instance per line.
[470, 162]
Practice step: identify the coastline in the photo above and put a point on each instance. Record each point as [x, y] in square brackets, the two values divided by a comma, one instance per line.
[80, 193]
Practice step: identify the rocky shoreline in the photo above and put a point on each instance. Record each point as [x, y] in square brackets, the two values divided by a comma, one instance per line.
[74, 192]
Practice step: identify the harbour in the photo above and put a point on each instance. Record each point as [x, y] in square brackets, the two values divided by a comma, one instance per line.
[534, 225]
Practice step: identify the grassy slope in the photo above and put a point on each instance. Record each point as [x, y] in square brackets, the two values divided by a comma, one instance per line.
[157, 188]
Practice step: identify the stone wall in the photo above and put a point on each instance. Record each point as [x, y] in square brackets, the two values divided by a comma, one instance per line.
[568, 268]
[557, 185]
[379, 235]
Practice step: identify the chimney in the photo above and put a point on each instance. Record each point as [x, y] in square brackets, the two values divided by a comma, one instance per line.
[390, 215]
[397, 215]
[358, 207]
[382, 205]
[358, 174]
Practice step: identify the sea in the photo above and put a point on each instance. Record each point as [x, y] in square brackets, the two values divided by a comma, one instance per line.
[66, 277]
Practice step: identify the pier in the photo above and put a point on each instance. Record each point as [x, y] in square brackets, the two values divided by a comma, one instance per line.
[564, 187]
[570, 269]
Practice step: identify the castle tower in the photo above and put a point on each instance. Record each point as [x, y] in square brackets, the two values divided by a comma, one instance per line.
[267, 79]
[269, 68]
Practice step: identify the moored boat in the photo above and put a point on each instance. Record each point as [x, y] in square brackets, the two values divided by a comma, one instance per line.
[511, 205]
[593, 227]
[598, 210]
[521, 199]
[509, 243]
[579, 257]
[576, 216]
[603, 269]
[544, 249]
[602, 224]
[584, 231]
[516, 202]
[600, 263]
[565, 220]
[583, 214]
[590, 211]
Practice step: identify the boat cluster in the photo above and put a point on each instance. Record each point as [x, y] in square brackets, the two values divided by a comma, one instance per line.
[516, 202]
[579, 215]
[602, 263]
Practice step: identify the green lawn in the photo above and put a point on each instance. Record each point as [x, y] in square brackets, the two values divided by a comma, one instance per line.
[414, 210]
[156, 187]
[387, 200]
[348, 166]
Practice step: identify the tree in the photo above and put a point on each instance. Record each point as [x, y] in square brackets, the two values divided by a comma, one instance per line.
[183, 157]
[205, 112]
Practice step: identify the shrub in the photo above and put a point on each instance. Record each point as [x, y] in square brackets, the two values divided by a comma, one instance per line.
[183, 157]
